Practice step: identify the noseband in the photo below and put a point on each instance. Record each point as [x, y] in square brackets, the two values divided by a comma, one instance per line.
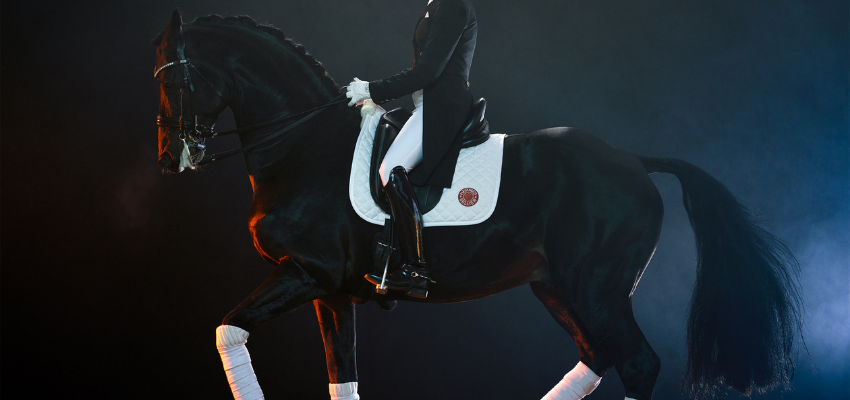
[195, 130]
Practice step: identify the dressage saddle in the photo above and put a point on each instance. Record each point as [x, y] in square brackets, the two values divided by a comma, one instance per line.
[474, 132]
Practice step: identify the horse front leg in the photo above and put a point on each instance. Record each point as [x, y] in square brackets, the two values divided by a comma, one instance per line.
[286, 288]
[336, 320]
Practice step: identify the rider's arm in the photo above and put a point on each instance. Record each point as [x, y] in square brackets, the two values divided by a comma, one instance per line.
[449, 21]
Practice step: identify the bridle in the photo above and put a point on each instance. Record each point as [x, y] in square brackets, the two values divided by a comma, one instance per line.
[193, 131]
[196, 129]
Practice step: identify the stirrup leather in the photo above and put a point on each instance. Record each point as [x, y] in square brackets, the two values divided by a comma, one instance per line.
[415, 274]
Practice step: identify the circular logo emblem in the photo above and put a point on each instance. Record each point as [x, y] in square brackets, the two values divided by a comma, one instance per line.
[467, 197]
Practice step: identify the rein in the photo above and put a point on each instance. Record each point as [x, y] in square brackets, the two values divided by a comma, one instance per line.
[270, 123]
[310, 114]
[193, 133]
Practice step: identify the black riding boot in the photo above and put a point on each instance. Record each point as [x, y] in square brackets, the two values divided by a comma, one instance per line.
[413, 276]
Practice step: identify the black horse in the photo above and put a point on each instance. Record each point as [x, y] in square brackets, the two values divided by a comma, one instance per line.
[577, 219]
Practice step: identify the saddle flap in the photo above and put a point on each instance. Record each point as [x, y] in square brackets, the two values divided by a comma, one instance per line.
[471, 200]
[475, 131]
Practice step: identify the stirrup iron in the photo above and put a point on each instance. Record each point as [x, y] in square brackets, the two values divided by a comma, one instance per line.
[382, 287]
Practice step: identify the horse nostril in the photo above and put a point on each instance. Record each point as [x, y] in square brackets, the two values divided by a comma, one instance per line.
[165, 160]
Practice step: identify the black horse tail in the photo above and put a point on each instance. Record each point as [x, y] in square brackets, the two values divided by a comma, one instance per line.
[746, 308]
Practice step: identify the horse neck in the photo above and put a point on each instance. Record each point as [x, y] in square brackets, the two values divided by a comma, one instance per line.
[268, 79]
[275, 88]
[320, 150]
[272, 83]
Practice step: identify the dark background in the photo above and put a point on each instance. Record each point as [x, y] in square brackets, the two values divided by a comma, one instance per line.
[114, 276]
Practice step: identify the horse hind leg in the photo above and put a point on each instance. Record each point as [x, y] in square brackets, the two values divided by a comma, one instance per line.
[622, 340]
[593, 364]
[605, 309]
[608, 336]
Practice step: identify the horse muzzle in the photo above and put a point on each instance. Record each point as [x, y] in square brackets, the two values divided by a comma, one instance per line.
[165, 160]
[169, 163]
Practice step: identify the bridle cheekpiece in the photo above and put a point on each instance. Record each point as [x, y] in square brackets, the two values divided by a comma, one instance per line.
[193, 130]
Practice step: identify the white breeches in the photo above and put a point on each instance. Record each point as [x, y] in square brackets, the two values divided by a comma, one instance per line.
[406, 149]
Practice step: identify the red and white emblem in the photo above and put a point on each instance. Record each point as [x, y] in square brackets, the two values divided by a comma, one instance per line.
[467, 197]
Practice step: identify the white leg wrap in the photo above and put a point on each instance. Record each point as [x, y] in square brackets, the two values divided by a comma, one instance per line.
[629, 398]
[230, 341]
[579, 382]
[344, 391]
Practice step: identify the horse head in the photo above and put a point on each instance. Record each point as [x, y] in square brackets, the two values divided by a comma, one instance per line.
[188, 108]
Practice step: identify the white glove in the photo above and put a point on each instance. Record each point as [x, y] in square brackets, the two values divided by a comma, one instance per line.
[357, 91]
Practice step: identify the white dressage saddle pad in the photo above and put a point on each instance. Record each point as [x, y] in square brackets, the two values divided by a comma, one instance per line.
[470, 200]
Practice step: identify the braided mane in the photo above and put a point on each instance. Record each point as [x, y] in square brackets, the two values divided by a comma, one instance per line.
[269, 30]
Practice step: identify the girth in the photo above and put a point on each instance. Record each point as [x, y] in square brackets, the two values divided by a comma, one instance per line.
[474, 132]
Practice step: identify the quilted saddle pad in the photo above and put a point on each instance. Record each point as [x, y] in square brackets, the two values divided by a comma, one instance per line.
[470, 200]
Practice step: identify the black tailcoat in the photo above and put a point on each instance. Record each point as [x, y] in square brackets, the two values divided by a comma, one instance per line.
[443, 44]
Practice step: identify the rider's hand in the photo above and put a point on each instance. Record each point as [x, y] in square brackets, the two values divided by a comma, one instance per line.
[357, 91]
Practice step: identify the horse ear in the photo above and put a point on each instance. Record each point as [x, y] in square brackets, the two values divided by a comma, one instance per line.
[172, 36]
[176, 21]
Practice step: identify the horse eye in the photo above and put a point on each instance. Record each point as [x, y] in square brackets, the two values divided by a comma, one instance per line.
[167, 85]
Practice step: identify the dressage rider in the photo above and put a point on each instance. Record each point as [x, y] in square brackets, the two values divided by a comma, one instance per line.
[443, 44]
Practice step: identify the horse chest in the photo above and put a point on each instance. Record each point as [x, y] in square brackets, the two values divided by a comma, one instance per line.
[290, 226]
